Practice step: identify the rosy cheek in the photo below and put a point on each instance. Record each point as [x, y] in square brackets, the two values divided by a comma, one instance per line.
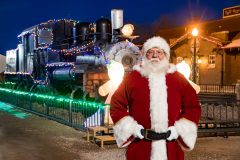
[148, 57]
[161, 57]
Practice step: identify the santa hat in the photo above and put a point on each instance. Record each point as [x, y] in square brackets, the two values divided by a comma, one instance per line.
[157, 42]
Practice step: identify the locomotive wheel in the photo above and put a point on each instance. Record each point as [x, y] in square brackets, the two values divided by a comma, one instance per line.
[126, 53]
[22, 86]
[78, 93]
[41, 89]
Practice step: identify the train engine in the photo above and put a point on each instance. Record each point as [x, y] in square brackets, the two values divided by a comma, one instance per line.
[71, 58]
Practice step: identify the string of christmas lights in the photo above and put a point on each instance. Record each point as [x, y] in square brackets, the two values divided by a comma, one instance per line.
[17, 73]
[88, 108]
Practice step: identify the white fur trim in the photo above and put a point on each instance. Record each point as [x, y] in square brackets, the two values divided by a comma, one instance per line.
[123, 129]
[188, 131]
[158, 113]
[158, 42]
[172, 68]
[174, 134]
[158, 108]
[159, 150]
[141, 70]
[137, 68]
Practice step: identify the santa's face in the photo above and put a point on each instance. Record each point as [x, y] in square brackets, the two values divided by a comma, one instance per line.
[155, 55]
[155, 61]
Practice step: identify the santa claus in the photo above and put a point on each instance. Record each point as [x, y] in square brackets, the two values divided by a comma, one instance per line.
[155, 110]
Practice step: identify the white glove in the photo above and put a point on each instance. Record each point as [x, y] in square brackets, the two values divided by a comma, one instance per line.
[174, 134]
[137, 131]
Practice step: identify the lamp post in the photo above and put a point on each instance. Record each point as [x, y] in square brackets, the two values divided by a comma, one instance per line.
[195, 34]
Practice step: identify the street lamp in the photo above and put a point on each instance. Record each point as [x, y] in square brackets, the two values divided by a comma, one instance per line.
[195, 34]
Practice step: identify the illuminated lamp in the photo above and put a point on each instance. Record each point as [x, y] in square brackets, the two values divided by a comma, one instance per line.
[127, 30]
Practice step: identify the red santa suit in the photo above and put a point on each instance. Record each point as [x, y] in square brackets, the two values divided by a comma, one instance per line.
[155, 101]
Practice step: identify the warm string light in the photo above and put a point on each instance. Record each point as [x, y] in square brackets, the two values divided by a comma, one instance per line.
[60, 64]
[44, 45]
[208, 38]
[20, 74]
[39, 28]
[124, 45]
[120, 46]
[75, 50]
[32, 31]
[101, 53]
[41, 82]
[85, 49]
[58, 20]
[212, 40]
[17, 73]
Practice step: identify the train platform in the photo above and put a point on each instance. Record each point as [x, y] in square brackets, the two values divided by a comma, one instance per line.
[27, 136]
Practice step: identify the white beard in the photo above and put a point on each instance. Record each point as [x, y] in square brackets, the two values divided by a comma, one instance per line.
[155, 66]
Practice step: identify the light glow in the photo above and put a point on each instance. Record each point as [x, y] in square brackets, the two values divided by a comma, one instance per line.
[195, 32]
[115, 73]
[127, 30]
[199, 61]
[185, 70]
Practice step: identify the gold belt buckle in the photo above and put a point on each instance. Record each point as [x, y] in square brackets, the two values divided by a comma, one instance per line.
[146, 133]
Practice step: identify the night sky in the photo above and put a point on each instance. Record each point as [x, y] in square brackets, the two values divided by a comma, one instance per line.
[17, 15]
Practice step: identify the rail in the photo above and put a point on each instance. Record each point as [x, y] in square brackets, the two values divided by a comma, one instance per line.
[219, 118]
[219, 89]
[75, 113]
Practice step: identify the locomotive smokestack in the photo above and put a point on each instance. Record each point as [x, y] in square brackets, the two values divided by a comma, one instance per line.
[117, 22]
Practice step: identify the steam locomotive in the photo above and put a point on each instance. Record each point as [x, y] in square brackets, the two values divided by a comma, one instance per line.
[70, 58]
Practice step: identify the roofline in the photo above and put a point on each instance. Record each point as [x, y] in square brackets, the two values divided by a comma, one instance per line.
[181, 30]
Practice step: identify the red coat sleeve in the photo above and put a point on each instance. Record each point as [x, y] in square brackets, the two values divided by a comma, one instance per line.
[191, 109]
[187, 125]
[124, 124]
[119, 102]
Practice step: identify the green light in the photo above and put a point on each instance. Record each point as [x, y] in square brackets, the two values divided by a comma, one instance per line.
[87, 108]
[9, 109]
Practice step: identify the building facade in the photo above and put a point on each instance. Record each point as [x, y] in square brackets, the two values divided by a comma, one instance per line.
[217, 48]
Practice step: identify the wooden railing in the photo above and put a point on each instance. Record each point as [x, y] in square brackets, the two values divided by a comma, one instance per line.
[219, 89]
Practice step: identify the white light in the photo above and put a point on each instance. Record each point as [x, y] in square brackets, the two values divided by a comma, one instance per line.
[104, 89]
[199, 61]
[184, 69]
[115, 72]
[195, 32]
[127, 29]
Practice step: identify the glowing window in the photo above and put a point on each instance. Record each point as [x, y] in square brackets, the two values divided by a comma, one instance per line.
[212, 59]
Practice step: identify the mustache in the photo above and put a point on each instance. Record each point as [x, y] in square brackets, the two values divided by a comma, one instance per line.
[154, 60]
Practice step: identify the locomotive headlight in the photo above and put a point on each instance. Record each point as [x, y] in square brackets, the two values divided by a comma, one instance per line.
[127, 30]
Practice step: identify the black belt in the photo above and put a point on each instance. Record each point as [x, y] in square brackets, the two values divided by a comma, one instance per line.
[152, 135]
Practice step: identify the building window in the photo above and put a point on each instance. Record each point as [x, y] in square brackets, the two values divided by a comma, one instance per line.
[211, 61]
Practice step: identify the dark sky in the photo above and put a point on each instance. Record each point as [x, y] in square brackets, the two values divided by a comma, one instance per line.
[17, 15]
